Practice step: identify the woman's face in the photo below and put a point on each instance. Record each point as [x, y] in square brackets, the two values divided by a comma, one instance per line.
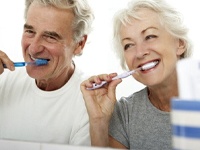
[146, 41]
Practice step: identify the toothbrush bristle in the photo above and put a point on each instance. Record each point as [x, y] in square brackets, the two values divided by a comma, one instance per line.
[41, 62]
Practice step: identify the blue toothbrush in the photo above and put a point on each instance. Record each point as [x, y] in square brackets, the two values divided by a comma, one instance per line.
[37, 62]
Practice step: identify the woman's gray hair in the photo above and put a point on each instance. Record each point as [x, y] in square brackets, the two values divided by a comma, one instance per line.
[84, 16]
[169, 17]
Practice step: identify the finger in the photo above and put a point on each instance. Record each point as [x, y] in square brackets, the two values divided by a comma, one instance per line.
[112, 88]
[90, 100]
[1, 68]
[97, 80]
[5, 61]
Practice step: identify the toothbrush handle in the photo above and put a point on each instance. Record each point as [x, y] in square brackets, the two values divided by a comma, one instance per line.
[121, 76]
[17, 64]
[96, 86]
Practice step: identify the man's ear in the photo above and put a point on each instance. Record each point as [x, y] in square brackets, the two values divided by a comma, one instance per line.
[79, 47]
[181, 47]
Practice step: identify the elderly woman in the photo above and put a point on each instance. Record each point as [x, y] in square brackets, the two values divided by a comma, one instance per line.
[147, 32]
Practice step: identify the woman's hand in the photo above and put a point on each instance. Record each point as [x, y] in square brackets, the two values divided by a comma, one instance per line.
[100, 105]
[100, 102]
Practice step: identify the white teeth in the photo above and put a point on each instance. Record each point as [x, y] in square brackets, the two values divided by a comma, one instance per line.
[149, 65]
[33, 58]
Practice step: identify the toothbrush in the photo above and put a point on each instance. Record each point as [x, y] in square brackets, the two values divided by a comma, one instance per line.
[125, 74]
[37, 62]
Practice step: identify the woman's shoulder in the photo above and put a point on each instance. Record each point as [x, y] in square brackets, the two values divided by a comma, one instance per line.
[139, 94]
[136, 97]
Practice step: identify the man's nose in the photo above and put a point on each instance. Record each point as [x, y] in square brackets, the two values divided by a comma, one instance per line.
[36, 45]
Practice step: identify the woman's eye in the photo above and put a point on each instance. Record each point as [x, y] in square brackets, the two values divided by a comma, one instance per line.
[127, 46]
[150, 37]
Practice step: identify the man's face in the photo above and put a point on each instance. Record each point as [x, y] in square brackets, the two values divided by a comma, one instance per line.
[48, 35]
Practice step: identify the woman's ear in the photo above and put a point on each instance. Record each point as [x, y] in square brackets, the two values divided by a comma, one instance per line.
[181, 47]
[79, 47]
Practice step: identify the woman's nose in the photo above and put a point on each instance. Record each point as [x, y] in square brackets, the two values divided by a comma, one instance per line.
[142, 51]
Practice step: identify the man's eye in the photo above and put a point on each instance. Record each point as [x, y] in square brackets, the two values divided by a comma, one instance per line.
[29, 31]
[50, 39]
[150, 37]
